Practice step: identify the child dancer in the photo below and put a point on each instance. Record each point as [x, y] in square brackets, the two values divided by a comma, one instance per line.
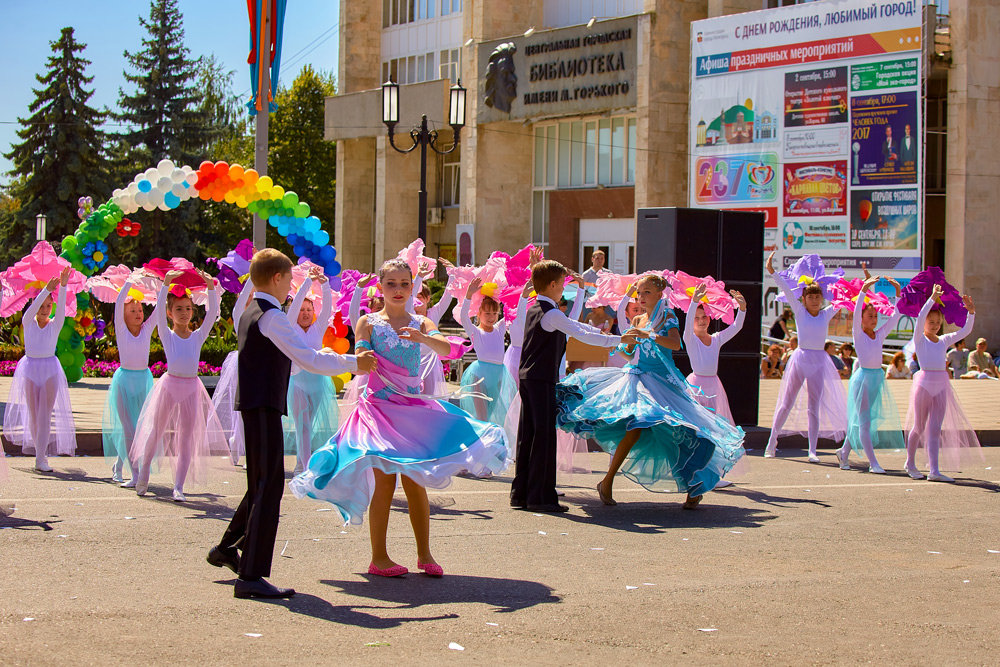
[644, 414]
[394, 430]
[312, 400]
[487, 375]
[130, 385]
[38, 417]
[935, 418]
[703, 351]
[871, 413]
[827, 405]
[268, 345]
[512, 357]
[178, 419]
[545, 332]
[225, 391]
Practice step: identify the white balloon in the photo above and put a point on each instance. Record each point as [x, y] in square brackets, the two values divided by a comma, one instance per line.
[149, 206]
[165, 167]
[192, 178]
[177, 175]
[179, 189]
[140, 198]
[163, 207]
[164, 183]
[187, 169]
[150, 175]
[133, 188]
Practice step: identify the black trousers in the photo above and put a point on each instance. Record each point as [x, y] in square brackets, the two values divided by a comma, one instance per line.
[535, 469]
[255, 524]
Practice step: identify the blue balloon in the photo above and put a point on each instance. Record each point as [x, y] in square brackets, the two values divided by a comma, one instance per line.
[171, 200]
[272, 222]
[312, 223]
[145, 185]
[322, 237]
[326, 254]
[333, 268]
[292, 239]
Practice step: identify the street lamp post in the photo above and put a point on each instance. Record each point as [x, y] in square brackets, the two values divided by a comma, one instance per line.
[40, 222]
[423, 137]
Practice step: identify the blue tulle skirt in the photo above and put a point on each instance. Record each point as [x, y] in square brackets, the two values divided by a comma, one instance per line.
[870, 406]
[683, 447]
[126, 396]
[495, 381]
[313, 414]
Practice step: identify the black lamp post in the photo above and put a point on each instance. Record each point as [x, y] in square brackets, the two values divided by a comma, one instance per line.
[423, 136]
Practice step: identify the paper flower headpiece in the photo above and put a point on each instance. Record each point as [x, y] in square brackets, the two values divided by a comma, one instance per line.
[717, 302]
[300, 274]
[845, 295]
[179, 291]
[107, 286]
[28, 276]
[234, 268]
[918, 290]
[809, 270]
[189, 278]
[610, 289]
[413, 255]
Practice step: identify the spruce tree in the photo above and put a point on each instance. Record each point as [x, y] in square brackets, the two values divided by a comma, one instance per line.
[61, 154]
[167, 120]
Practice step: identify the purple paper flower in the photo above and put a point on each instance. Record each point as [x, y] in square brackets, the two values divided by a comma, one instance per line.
[234, 266]
[918, 290]
[809, 270]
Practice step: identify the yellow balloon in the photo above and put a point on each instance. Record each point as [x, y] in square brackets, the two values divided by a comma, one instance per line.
[230, 197]
[277, 192]
[241, 201]
[264, 183]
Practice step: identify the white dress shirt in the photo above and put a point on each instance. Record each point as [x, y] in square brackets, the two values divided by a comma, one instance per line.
[556, 320]
[275, 326]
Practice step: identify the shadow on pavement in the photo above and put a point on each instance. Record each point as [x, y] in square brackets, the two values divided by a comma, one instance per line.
[17, 523]
[659, 517]
[440, 509]
[63, 475]
[767, 498]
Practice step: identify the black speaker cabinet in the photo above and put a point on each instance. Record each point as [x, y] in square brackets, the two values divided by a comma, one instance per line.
[729, 246]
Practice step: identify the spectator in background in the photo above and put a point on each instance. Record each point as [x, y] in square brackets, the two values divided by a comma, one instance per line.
[780, 329]
[982, 359]
[772, 366]
[897, 369]
[958, 359]
[793, 344]
[597, 260]
[831, 349]
[847, 356]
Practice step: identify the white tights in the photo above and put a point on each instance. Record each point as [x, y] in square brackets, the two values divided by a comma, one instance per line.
[41, 401]
[929, 416]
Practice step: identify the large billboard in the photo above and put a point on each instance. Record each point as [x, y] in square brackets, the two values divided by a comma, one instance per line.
[812, 112]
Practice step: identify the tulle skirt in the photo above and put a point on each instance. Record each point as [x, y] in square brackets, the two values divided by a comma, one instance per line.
[494, 381]
[935, 408]
[712, 394]
[224, 400]
[178, 422]
[682, 446]
[126, 396]
[426, 440]
[38, 382]
[813, 366]
[569, 453]
[870, 407]
[312, 411]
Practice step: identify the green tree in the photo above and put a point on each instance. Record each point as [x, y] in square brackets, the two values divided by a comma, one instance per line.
[61, 155]
[299, 158]
[167, 119]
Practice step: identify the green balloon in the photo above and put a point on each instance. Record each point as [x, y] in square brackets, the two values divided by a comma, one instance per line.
[73, 373]
[290, 199]
[302, 210]
[69, 243]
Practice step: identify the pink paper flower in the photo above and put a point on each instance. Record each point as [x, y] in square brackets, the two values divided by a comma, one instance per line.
[611, 287]
[28, 276]
[492, 275]
[845, 294]
[300, 274]
[413, 255]
[189, 278]
[517, 272]
[107, 286]
[717, 302]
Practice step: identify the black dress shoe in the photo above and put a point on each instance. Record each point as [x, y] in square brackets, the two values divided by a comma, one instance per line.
[260, 588]
[552, 508]
[222, 558]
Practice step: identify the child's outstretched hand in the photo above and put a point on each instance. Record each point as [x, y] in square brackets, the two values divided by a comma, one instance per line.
[365, 281]
[699, 292]
[969, 306]
[534, 257]
[445, 263]
[740, 301]
[52, 285]
[473, 287]
[366, 362]
[527, 290]
[936, 293]
[64, 276]
[894, 283]
[413, 334]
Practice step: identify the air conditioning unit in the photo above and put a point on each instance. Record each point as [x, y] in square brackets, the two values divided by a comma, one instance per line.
[435, 217]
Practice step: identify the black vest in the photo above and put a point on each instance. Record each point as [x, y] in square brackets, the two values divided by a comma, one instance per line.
[543, 350]
[263, 369]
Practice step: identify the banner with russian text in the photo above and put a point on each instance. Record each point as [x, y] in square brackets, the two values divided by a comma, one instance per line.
[813, 113]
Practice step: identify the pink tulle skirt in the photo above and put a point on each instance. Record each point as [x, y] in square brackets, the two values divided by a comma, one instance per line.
[178, 422]
[813, 372]
[352, 390]
[935, 408]
[712, 395]
[224, 400]
[570, 451]
[40, 384]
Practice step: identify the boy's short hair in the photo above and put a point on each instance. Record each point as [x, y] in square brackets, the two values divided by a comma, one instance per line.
[812, 288]
[266, 264]
[545, 273]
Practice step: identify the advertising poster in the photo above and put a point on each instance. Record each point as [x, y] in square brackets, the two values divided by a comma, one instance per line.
[884, 219]
[812, 112]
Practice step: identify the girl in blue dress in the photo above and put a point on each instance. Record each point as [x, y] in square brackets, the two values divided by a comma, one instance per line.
[645, 414]
[395, 430]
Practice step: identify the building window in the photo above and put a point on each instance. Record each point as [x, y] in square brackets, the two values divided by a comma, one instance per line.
[450, 179]
[411, 69]
[401, 12]
[451, 7]
[451, 65]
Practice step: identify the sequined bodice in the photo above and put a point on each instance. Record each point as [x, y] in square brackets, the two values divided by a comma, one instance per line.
[387, 343]
[653, 358]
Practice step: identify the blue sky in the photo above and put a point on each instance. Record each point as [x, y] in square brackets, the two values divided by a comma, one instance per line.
[220, 27]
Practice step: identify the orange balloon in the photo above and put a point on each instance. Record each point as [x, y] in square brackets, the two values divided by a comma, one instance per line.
[250, 177]
[341, 346]
[218, 195]
[205, 193]
[329, 337]
[235, 171]
[221, 168]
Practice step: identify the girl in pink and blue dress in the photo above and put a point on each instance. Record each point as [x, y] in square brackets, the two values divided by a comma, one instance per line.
[826, 405]
[312, 399]
[935, 419]
[178, 420]
[395, 430]
[130, 385]
[38, 417]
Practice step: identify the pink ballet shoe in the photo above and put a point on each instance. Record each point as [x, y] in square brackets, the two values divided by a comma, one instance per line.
[394, 571]
[431, 569]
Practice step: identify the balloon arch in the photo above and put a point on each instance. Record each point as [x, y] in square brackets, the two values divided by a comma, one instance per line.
[165, 187]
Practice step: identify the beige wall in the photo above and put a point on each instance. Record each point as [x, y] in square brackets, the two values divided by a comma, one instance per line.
[355, 203]
[360, 45]
[972, 225]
